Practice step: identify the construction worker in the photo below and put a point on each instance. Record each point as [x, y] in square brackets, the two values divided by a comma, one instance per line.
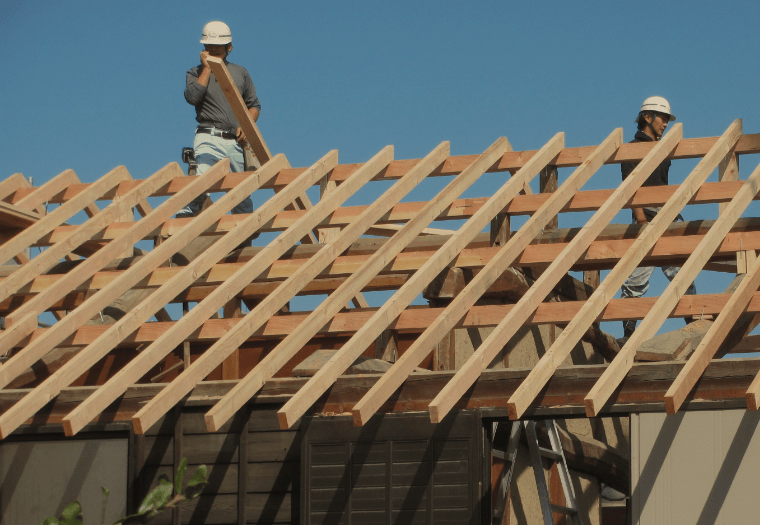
[218, 134]
[652, 120]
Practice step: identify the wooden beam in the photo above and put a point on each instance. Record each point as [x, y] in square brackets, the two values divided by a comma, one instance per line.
[47, 260]
[708, 347]
[275, 301]
[722, 386]
[239, 109]
[713, 192]
[326, 376]
[27, 315]
[480, 359]
[615, 373]
[511, 161]
[11, 184]
[42, 194]
[43, 226]
[149, 356]
[418, 319]
[464, 301]
[280, 355]
[647, 238]
[89, 356]
[11, 216]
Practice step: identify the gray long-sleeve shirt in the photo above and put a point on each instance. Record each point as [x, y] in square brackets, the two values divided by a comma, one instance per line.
[211, 108]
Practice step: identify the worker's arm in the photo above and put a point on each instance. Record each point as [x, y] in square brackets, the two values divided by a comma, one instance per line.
[197, 83]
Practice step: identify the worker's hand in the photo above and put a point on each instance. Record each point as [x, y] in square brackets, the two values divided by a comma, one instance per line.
[241, 138]
[204, 55]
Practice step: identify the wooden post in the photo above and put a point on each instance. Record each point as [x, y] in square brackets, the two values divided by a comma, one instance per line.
[592, 278]
[548, 184]
[231, 365]
[325, 188]
[500, 230]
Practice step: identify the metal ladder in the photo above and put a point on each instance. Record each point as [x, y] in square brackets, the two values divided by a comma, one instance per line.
[536, 453]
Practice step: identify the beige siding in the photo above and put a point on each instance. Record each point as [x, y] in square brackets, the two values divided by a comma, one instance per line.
[695, 467]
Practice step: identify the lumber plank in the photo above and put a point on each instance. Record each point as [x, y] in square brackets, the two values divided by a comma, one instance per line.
[708, 347]
[12, 216]
[418, 319]
[26, 319]
[616, 371]
[52, 255]
[713, 192]
[323, 379]
[251, 131]
[11, 184]
[647, 238]
[602, 254]
[65, 211]
[279, 356]
[222, 294]
[462, 303]
[480, 359]
[232, 340]
[42, 194]
[124, 326]
[511, 161]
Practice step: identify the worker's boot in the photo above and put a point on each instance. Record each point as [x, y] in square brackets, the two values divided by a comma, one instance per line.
[629, 327]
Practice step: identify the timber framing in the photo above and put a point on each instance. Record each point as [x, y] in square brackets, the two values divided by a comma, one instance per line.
[335, 254]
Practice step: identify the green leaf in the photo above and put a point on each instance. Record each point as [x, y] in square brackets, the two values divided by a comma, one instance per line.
[156, 498]
[180, 476]
[199, 476]
[50, 520]
[72, 514]
[105, 492]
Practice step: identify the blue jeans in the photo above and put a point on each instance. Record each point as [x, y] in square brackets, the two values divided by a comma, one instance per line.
[638, 283]
[210, 149]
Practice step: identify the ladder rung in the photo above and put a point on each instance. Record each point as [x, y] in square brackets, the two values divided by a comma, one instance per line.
[548, 453]
[564, 510]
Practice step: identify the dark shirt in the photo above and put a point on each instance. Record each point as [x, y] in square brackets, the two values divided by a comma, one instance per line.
[211, 108]
[659, 176]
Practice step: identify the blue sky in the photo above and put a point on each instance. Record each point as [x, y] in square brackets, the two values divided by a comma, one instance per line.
[93, 85]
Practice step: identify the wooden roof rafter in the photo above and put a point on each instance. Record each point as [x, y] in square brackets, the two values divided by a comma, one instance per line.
[401, 262]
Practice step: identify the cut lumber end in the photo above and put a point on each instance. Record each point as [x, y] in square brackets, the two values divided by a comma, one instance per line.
[671, 404]
[514, 412]
[591, 408]
[434, 414]
[137, 425]
[211, 425]
[753, 400]
[283, 419]
[358, 418]
[68, 428]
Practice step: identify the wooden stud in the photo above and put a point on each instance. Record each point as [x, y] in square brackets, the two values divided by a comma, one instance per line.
[252, 135]
[548, 184]
[572, 333]
[401, 299]
[493, 344]
[50, 387]
[231, 365]
[61, 214]
[79, 417]
[280, 355]
[442, 326]
[700, 359]
[273, 302]
[500, 229]
[592, 278]
[55, 253]
[619, 367]
[327, 234]
[39, 196]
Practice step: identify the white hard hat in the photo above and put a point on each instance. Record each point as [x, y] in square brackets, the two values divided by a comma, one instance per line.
[657, 104]
[216, 33]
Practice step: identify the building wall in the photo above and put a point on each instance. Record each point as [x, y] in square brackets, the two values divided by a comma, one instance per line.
[695, 467]
[39, 477]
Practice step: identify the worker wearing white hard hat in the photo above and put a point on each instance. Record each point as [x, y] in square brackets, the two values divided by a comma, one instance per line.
[218, 134]
[652, 120]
